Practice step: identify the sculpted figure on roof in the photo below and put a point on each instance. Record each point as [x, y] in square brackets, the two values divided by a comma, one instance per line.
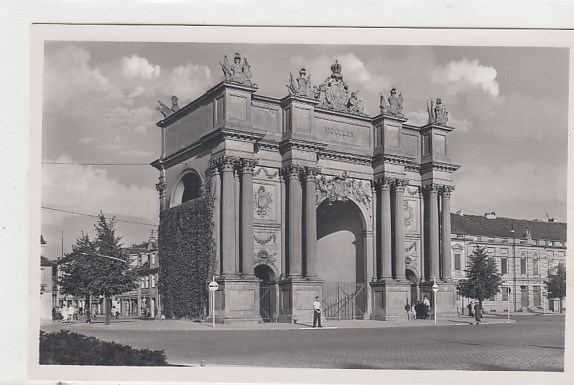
[302, 85]
[437, 112]
[237, 72]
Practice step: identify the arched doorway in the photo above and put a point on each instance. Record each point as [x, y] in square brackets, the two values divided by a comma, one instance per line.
[188, 188]
[341, 259]
[267, 293]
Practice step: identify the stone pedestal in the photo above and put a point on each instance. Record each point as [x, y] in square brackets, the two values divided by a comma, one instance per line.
[237, 300]
[296, 296]
[445, 300]
[389, 299]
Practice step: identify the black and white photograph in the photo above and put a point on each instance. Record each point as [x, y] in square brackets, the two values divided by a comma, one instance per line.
[337, 204]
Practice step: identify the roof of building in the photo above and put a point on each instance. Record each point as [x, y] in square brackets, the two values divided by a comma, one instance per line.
[502, 227]
[46, 262]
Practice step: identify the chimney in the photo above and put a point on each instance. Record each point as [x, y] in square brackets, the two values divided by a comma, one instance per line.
[491, 215]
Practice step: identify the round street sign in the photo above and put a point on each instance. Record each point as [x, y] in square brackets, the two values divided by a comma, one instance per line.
[213, 286]
[544, 294]
[435, 287]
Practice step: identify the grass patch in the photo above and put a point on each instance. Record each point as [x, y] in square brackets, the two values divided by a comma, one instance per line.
[68, 348]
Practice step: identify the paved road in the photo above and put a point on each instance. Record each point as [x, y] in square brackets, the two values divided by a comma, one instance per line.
[533, 343]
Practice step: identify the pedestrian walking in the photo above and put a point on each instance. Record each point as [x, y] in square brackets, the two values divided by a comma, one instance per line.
[477, 313]
[469, 306]
[71, 312]
[426, 303]
[317, 312]
[413, 312]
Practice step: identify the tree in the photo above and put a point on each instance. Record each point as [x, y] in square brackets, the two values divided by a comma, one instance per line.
[556, 283]
[98, 267]
[482, 278]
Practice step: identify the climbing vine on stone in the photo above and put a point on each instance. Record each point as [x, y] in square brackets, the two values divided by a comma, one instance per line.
[186, 257]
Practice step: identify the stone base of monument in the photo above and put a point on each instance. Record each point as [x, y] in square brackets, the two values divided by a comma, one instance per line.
[237, 300]
[389, 300]
[296, 296]
[446, 302]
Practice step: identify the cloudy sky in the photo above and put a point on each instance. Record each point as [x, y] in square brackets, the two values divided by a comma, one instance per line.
[508, 107]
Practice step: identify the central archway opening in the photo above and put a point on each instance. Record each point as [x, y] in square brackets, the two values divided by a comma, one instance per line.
[341, 260]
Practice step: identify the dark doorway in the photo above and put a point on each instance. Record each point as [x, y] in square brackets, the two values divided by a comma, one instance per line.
[266, 293]
[412, 277]
[524, 302]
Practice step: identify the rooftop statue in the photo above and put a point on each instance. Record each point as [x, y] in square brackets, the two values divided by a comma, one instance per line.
[165, 110]
[333, 93]
[301, 86]
[437, 112]
[237, 72]
[395, 104]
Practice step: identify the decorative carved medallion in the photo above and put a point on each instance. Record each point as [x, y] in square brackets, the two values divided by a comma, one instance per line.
[238, 72]
[262, 201]
[333, 93]
[437, 112]
[412, 258]
[302, 85]
[409, 214]
[263, 256]
[341, 188]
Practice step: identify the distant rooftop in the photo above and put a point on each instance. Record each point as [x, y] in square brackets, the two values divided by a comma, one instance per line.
[493, 226]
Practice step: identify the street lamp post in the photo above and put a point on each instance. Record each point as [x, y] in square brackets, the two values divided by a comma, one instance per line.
[514, 264]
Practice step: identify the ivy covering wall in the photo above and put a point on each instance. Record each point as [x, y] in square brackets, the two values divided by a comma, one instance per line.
[186, 257]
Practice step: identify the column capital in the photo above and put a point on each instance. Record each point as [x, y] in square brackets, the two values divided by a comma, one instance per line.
[431, 188]
[247, 165]
[384, 183]
[311, 173]
[293, 171]
[224, 163]
[446, 191]
[399, 184]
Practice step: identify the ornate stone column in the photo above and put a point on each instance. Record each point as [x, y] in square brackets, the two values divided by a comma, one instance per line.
[446, 248]
[237, 219]
[399, 228]
[295, 220]
[385, 260]
[228, 216]
[247, 166]
[374, 272]
[433, 230]
[310, 222]
[283, 224]
[216, 185]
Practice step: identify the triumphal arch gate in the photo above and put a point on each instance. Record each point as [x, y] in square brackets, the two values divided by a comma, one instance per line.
[314, 198]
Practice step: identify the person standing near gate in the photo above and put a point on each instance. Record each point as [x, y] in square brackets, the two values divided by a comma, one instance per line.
[317, 312]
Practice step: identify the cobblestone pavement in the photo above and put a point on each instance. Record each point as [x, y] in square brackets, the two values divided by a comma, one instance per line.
[533, 343]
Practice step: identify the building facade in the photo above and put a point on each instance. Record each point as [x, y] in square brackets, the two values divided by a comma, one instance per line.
[525, 251]
[314, 197]
[48, 286]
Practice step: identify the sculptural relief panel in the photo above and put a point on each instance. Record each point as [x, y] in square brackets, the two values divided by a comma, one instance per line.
[412, 215]
[265, 202]
[412, 257]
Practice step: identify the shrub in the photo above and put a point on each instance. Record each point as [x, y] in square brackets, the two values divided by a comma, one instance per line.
[68, 348]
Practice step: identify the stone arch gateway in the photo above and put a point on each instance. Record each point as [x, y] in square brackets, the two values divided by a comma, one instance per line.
[291, 177]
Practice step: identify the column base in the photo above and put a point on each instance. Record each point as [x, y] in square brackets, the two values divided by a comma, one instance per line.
[296, 299]
[389, 299]
[237, 300]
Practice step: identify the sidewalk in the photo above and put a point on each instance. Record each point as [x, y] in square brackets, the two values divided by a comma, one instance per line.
[142, 324]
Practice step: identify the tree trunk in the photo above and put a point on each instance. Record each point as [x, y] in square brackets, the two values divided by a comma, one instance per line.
[108, 307]
[88, 308]
[560, 305]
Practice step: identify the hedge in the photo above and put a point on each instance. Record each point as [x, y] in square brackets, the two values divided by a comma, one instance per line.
[68, 348]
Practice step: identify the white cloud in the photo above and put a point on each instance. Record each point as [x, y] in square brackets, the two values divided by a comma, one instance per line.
[68, 74]
[465, 75]
[92, 189]
[417, 118]
[110, 147]
[86, 140]
[139, 67]
[463, 125]
[188, 82]
[133, 119]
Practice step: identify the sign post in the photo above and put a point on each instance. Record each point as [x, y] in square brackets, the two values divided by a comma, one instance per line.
[544, 295]
[213, 286]
[435, 290]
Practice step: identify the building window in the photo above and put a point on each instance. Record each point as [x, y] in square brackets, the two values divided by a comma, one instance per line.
[490, 250]
[457, 261]
[550, 254]
[504, 293]
[522, 265]
[537, 296]
[504, 251]
[535, 266]
[504, 240]
[504, 265]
